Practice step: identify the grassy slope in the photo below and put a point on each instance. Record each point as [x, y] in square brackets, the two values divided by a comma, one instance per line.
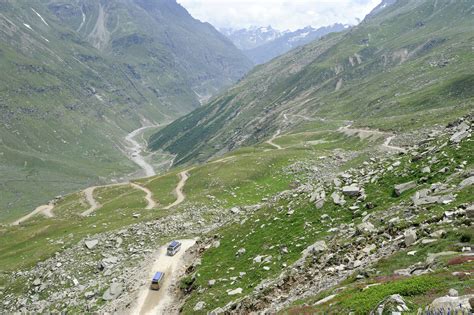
[405, 67]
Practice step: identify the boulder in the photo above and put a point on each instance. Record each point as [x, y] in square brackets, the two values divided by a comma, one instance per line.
[199, 306]
[113, 292]
[401, 188]
[235, 210]
[470, 212]
[90, 244]
[235, 291]
[410, 237]
[462, 132]
[338, 199]
[240, 252]
[452, 305]
[366, 227]
[426, 170]
[352, 191]
[394, 304]
[467, 182]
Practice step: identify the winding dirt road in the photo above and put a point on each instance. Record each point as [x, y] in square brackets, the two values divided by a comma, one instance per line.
[149, 196]
[157, 302]
[94, 205]
[270, 142]
[46, 210]
[180, 197]
[366, 133]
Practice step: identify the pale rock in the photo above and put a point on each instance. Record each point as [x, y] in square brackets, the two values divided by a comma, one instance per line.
[352, 191]
[235, 291]
[401, 188]
[199, 306]
[90, 244]
[410, 237]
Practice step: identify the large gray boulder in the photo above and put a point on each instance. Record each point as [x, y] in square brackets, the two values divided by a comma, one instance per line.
[352, 191]
[453, 305]
[467, 182]
[462, 133]
[401, 188]
[90, 244]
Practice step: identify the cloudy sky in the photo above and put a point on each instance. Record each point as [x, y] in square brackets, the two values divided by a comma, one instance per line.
[281, 14]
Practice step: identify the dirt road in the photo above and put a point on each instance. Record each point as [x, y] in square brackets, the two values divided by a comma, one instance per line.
[46, 210]
[180, 197]
[94, 205]
[366, 133]
[149, 195]
[270, 142]
[156, 302]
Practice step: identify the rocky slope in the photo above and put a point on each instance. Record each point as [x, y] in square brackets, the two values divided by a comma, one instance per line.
[405, 65]
[80, 75]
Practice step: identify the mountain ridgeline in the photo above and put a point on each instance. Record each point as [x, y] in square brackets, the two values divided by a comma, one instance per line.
[263, 44]
[83, 73]
[406, 59]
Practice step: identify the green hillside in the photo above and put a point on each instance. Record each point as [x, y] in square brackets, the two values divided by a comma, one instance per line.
[77, 76]
[407, 64]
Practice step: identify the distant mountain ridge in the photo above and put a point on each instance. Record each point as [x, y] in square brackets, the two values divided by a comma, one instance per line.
[261, 44]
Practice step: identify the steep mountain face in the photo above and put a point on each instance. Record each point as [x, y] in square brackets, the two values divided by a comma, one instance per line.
[79, 74]
[408, 58]
[288, 41]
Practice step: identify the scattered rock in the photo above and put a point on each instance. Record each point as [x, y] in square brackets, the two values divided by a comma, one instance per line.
[392, 305]
[90, 244]
[426, 170]
[352, 191]
[240, 252]
[199, 306]
[235, 292]
[366, 227]
[410, 237]
[401, 188]
[467, 182]
[452, 304]
[338, 199]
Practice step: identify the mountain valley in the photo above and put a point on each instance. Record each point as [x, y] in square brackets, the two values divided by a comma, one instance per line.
[337, 178]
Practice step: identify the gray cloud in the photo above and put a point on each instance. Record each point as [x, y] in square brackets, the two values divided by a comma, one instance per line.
[281, 14]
